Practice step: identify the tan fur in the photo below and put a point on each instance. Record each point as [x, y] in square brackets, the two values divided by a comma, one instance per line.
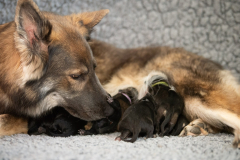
[89, 19]
[203, 127]
[24, 48]
[12, 125]
[210, 93]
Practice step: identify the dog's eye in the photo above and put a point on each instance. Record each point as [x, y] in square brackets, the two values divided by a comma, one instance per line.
[75, 76]
[94, 66]
[88, 38]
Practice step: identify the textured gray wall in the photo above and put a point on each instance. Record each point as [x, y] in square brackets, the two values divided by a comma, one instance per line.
[207, 27]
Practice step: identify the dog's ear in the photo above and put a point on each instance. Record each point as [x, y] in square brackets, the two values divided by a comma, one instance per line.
[87, 20]
[32, 39]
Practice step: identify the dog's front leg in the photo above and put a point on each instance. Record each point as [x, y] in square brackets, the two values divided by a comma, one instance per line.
[10, 125]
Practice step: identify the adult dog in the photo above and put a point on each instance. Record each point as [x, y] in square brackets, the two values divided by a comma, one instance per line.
[45, 61]
[211, 94]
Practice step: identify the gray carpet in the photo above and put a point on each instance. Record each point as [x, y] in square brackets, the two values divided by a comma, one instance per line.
[24, 147]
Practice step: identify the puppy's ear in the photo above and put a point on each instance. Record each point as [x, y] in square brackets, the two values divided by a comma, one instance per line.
[32, 39]
[87, 20]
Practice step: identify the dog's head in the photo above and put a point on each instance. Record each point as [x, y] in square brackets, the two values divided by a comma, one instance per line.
[57, 62]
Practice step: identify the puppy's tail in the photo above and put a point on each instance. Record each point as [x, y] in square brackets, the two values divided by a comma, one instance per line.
[134, 137]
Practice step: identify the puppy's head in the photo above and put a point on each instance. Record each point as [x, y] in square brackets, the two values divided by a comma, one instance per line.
[131, 92]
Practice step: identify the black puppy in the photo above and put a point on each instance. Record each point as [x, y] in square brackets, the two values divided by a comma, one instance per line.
[138, 118]
[57, 123]
[169, 104]
[181, 123]
[120, 102]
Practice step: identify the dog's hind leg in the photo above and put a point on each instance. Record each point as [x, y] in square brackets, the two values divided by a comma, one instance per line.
[10, 125]
[150, 132]
[216, 115]
[218, 105]
[124, 135]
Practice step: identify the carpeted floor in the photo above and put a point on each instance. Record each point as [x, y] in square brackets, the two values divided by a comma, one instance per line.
[214, 147]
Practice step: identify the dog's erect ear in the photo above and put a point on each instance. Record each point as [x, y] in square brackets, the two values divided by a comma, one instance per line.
[87, 20]
[32, 39]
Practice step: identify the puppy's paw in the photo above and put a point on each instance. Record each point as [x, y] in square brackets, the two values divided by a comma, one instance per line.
[81, 131]
[197, 128]
[118, 138]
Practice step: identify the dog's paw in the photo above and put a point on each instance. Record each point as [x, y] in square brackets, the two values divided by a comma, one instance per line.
[198, 128]
[236, 141]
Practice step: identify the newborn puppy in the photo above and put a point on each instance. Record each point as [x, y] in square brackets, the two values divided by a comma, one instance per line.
[169, 104]
[120, 102]
[181, 123]
[139, 117]
[57, 123]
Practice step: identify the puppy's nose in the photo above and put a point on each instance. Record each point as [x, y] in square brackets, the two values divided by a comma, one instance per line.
[41, 130]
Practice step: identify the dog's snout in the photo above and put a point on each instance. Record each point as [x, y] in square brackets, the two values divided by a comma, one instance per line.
[109, 110]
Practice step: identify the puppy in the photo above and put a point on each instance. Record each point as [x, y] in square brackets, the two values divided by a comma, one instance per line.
[120, 102]
[181, 123]
[139, 117]
[169, 103]
[57, 123]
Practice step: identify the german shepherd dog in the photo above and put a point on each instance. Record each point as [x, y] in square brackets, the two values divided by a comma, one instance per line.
[211, 94]
[45, 61]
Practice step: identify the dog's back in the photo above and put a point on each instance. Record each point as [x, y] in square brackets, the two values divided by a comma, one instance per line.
[210, 92]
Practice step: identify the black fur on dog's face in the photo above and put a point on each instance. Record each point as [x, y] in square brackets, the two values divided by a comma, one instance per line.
[140, 117]
[169, 106]
[57, 123]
